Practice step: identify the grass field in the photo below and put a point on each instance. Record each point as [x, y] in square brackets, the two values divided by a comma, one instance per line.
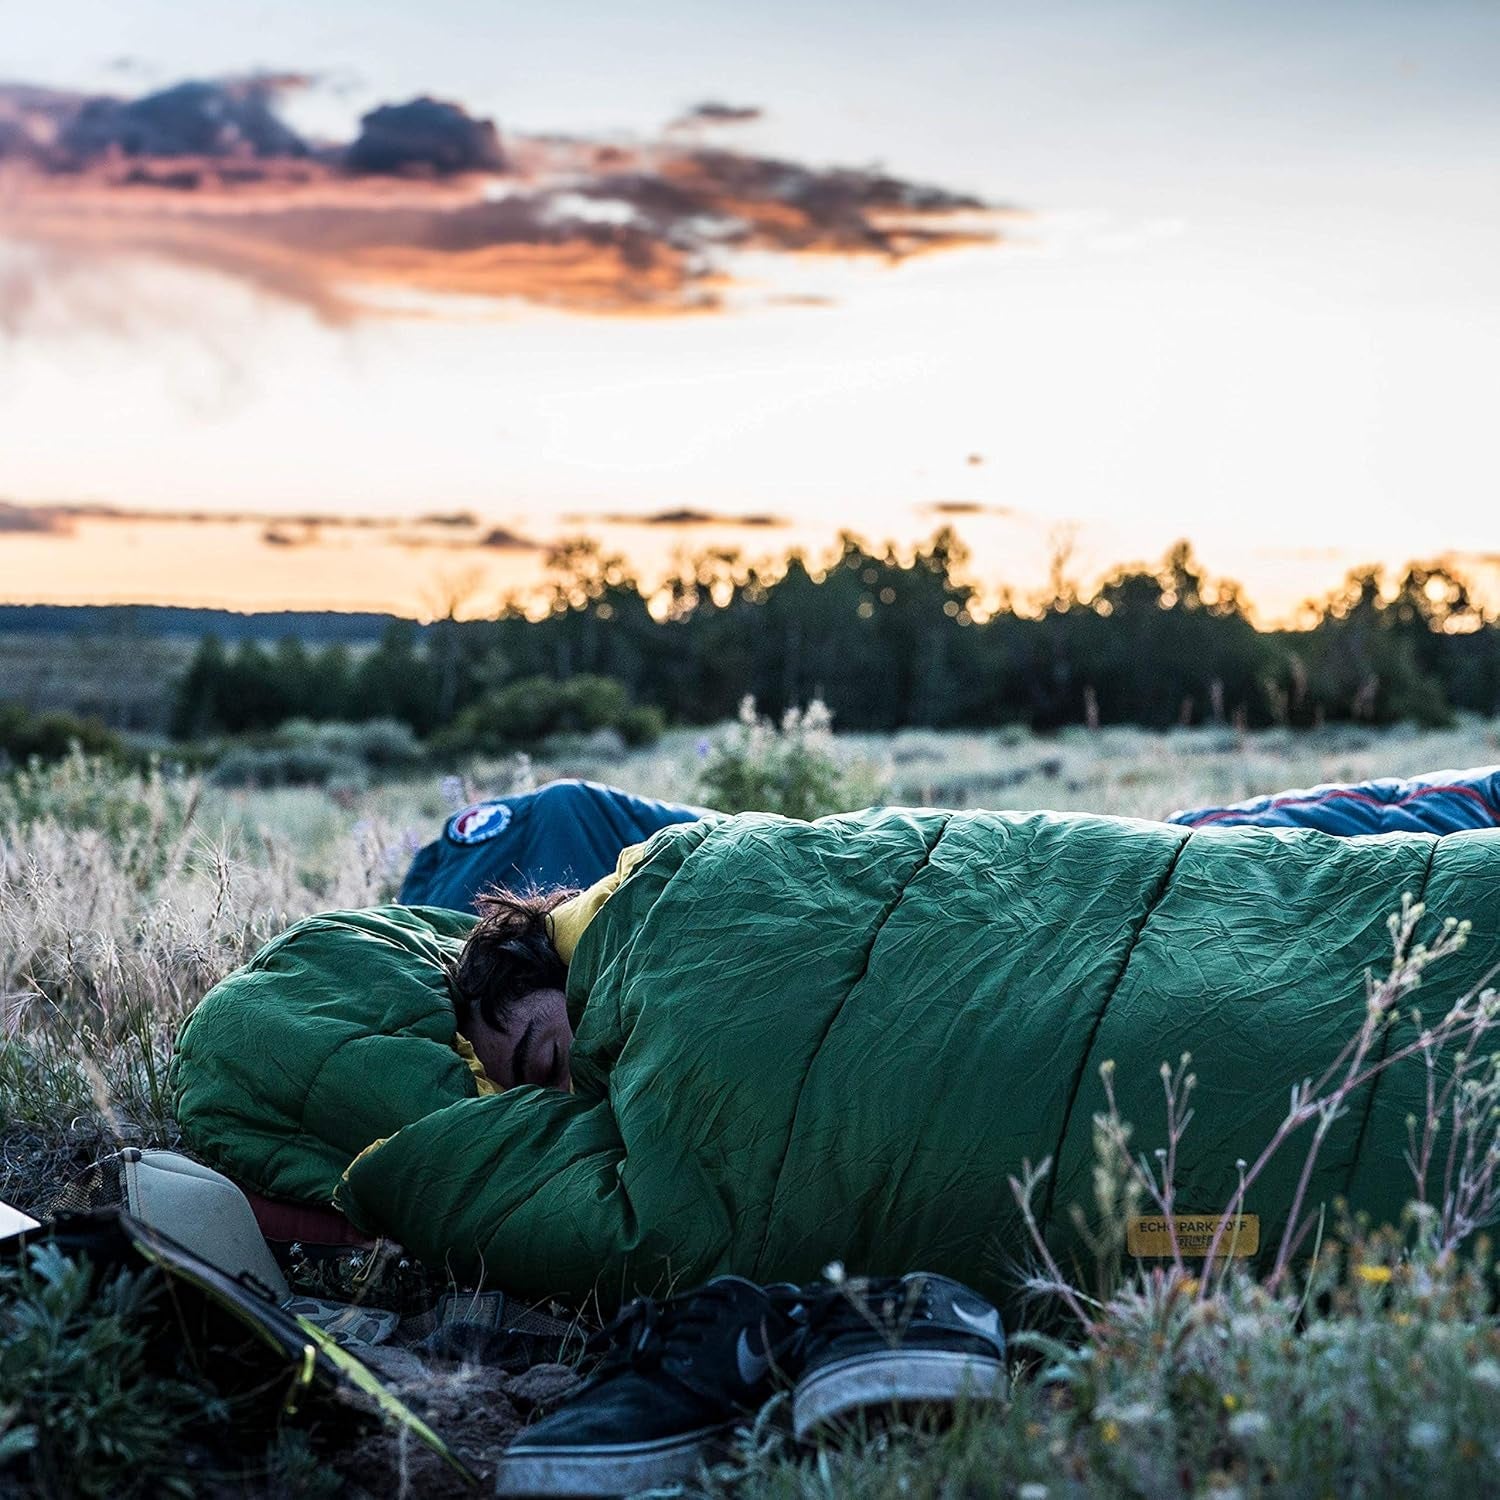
[124, 897]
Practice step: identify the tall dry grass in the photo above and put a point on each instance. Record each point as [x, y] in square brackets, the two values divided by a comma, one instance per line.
[124, 897]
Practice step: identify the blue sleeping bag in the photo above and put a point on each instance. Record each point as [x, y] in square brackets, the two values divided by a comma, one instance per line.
[567, 833]
[1438, 802]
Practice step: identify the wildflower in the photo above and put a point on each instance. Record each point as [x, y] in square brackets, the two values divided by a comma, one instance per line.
[1424, 1434]
[1190, 1286]
[1373, 1275]
[833, 1273]
[1109, 1430]
[1231, 1401]
[1031, 1490]
[1487, 1374]
[1249, 1424]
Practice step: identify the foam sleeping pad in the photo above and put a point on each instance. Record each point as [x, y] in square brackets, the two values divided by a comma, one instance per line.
[567, 833]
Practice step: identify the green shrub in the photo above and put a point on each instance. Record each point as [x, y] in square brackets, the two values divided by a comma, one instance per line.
[380, 744]
[289, 765]
[80, 1411]
[25, 736]
[642, 725]
[302, 753]
[794, 769]
[532, 709]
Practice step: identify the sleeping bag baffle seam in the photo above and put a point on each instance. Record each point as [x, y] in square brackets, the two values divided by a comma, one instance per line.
[1385, 1046]
[1045, 1221]
[859, 978]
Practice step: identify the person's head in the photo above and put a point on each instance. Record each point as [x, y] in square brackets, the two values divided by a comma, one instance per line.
[507, 986]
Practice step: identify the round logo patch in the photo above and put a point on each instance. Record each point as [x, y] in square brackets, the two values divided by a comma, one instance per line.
[476, 824]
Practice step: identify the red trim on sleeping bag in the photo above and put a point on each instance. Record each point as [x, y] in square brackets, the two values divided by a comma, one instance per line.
[306, 1223]
[1347, 794]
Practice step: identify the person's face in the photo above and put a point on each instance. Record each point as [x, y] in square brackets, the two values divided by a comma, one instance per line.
[533, 1046]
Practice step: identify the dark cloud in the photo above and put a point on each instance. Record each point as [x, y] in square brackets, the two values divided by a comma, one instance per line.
[678, 518]
[495, 539]
[502, 540]
[714, 112]
[436, 531]
[832, 209]
[276, 529]
[212, 119]
[966, 508]
[449, 518]
[32, 520]
[425, 136]
[280, 536]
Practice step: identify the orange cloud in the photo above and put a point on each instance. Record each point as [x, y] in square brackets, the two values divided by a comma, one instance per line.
[426, 200]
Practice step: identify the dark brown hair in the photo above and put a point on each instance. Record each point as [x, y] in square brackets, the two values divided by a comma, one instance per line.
[507, 955]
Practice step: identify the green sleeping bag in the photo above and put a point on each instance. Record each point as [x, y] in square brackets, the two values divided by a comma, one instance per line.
[806, 1042]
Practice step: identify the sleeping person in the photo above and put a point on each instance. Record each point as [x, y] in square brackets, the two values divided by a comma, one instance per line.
[763, 1045]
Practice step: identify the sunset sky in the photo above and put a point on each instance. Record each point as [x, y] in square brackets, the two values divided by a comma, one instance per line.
[1247, 290]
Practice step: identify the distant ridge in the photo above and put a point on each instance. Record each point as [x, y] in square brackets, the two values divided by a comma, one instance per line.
[167, 620]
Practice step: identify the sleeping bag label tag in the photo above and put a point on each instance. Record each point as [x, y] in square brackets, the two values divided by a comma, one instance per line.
[476, 824]
[1151, 1234]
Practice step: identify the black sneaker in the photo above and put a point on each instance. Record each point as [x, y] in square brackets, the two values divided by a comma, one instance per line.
[914, 1341]
[677, 1377]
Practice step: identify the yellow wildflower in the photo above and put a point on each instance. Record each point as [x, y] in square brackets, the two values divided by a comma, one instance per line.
[1190, 1286]
[1373, 1275]
[1110, 1431]
[1231, 1401]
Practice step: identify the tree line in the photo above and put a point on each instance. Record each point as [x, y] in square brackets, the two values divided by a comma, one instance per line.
[886, 641]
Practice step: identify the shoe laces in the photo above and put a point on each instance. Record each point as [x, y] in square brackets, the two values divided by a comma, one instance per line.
[886, 1305]
[644, 1331]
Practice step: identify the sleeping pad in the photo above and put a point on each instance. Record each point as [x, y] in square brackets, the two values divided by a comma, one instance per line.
[567, 833]
[805, 1042]
[1437, 802]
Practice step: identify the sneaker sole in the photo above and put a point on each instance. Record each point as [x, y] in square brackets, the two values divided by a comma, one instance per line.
[896, 1377]
[604, 1468]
